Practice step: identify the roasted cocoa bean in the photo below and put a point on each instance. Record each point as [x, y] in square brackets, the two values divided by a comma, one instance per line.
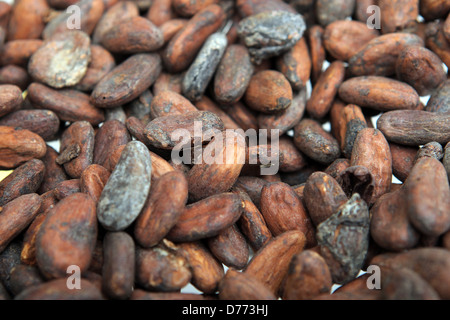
[67, 236]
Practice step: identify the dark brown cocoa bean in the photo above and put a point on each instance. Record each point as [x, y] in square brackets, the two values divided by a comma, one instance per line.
[433, 9]
[405, 284]
[93, 180]
[287, 119]
[69, 105]
[252, 223]
[317, 51]
[10, 99]
[344, 38]
[121, 11]
[428, 207]
[415, 127]
[42, 122]
[223, 160]
[119, 265]
[322, 196]
[295, 64]
[231, 80]
[18, 146]
[15, 75]
[390, 226]
[184, 46]
[27, 19]
[54, 173]
[161, 269]
[379, 93]
[429, 263]
[59, 246]
[110, 136]
[160, 131]
[291, 159]
[25, 179]
[79, 136]
[127, 81]
[18, 52]
[242, 286]
[207, 272]
[268, 92]
[420, 68]
[371, 150]
[395, 18]
[402, 160]
[315, 142]
[270, 264]
[66, 188]
[196, 221]
[16, 215]
[379, 55]
[163, 207]
[230, 248]
[23, 277]
[168, 103]
[325, 90]
[440, 99]
[133, 35]
[308, 277]
[288, 213]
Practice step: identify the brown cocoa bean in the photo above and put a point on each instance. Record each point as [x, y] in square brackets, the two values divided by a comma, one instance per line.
[379, 93]
[371, 150]
[16, 215]
[196, 221]
[207, 272]
[230, 248]
[69, 105]
[163, 207]
[23, 180]
[184, 46]
[270, 264]
[119, 265]
[67, 236]
[79, 136]
[18, 146]
[127, 81]
[268, 92]
[242, 286]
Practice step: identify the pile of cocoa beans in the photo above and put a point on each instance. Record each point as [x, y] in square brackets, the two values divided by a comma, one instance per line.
[98, 96]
